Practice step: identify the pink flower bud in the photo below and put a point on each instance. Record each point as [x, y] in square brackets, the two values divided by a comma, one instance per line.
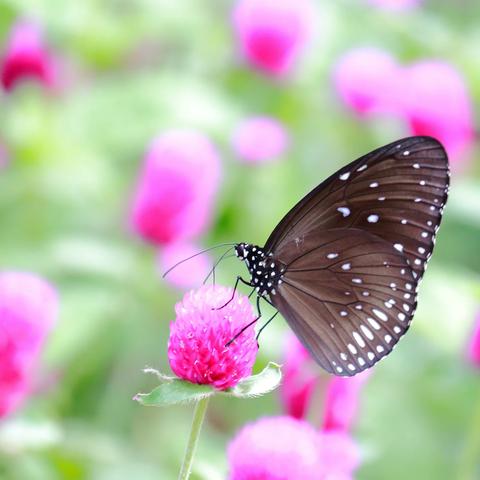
[342, 401]
[27, 56]
[366, 80]
[289, 449]
[473, 351]
[436, 102]
[28, 310]
[177, 186]
[189, 273]
[260, 140]
[197, 347]
[272, 33]
[300, 379]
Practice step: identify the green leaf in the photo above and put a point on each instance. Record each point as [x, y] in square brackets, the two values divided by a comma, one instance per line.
[256, 385]
[173, 392]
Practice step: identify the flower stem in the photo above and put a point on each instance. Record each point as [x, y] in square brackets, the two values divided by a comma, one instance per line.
[471, 451]
[198, 416]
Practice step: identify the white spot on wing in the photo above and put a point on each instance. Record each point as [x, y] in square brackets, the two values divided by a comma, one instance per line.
[373, 323]
[366, 332]
[344, 176]
[359, 339]
[346, 266]
[381, 315]
[398, 246]
[373, 218]
[374, 185]
[345, 211]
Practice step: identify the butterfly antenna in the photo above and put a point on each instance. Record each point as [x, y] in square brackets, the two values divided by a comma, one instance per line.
[212, 271]
[196, 255]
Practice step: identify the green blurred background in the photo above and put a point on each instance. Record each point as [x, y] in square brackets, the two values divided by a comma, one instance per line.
[135, 68]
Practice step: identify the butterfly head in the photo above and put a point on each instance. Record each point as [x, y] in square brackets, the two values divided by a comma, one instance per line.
[242, 250]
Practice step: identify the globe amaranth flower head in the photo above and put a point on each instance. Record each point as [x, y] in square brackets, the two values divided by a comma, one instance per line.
[197, 347]
[260, 140]
[372, 83]
[473, 351]
[26, 56]
[175, 192]
[285, 448]
[273, 33]
[28, 309]
[300, 381]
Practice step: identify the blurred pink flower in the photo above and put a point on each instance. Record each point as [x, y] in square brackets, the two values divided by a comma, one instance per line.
[197, 349]
[395, 4]
[188, 274]
[272, 33]
[177, 186]
[284, 448]
[342, 401]
[429, 96]
[436, 102]
[260, 140]
[27, 57]
[366, 80]
[28, 310]
[473, 351]
[300, 378]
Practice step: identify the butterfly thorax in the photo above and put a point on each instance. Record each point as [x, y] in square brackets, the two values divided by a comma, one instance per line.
[266, 272]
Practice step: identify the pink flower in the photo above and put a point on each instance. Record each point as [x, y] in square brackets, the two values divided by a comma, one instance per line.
[28, 309]
[197, 347]
[366, 80]
[272, 33]
[436, 103]
[177, 186]
[429, 96]
[27, 56]
[473, 352]
[300, 379]
[395, 4]
[260, 140]
[284, 448]
[342, 401]
[188, 274]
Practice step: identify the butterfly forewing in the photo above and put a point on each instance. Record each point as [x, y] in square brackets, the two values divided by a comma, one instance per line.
[349, 300]
[354, 250]
[396, 192]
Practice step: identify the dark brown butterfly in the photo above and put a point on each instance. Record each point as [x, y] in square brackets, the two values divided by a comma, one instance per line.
[343, 266]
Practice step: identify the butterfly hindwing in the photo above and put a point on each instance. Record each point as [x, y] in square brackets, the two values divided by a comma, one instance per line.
[349, 299]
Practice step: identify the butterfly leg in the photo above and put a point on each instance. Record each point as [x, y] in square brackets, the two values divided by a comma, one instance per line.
[248, 324]
[263, 326]
[239, 279]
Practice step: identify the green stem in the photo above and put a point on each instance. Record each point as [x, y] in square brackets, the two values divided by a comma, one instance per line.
[198, 416]
[471, 451]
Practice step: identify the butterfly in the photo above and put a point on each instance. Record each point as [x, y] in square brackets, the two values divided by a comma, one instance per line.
[344, 264]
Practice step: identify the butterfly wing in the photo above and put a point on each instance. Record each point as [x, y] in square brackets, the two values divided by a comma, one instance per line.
[349, 296]
[396, 192]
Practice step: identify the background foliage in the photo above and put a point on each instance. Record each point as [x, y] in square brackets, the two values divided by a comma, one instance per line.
[135, 68]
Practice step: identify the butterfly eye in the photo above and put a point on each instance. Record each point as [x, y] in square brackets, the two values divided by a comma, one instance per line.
[240, 251]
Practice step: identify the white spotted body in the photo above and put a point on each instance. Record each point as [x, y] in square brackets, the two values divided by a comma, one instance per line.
[265, 273]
